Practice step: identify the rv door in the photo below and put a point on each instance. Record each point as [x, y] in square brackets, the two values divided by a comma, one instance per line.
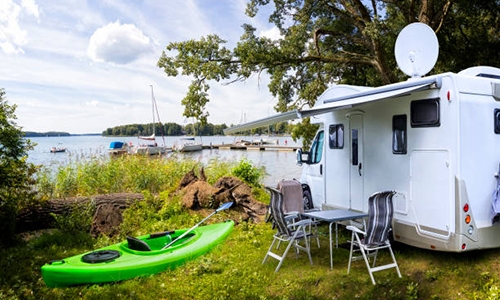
[314, 171]
[357, 167]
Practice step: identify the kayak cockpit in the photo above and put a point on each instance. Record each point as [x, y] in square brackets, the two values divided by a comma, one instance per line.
[155, 243]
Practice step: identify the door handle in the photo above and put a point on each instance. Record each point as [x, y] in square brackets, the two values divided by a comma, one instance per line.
[321, 169]
[359, 168]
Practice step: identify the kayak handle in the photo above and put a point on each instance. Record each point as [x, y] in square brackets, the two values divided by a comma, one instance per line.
[57, 262]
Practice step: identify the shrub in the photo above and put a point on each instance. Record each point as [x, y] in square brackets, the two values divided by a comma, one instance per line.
[16, 174]
[248, 173]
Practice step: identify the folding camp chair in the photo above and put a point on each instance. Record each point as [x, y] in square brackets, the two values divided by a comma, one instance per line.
[287, 232]
[293, 204]
[376, 237]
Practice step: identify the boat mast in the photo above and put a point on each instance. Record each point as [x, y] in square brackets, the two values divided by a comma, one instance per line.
[155, 109]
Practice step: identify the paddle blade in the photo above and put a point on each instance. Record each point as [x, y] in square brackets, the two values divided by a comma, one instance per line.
[224, 206]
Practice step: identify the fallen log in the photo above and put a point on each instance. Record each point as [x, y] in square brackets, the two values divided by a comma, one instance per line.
[40, 216]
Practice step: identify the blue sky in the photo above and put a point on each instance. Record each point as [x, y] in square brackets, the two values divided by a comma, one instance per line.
[81, 66]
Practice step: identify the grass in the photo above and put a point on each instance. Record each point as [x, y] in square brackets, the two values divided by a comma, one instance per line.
[234, 269]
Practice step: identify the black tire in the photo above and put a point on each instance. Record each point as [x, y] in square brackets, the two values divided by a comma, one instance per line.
[307, 198]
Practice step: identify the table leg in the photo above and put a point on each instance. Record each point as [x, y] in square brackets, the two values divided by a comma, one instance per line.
[331, 246]
[336, 235]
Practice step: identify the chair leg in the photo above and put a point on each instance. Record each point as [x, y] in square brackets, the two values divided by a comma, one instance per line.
[269, 250]
[367, 265]
[374, 258]
[394, 260]
[282, 258]
[350, 253]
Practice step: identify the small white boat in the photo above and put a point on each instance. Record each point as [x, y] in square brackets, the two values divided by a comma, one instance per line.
[187, 145]
[58, 149]
[118, 148]
[151, 148]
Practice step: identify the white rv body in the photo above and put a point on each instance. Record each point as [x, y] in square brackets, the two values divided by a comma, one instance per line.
[435, 140]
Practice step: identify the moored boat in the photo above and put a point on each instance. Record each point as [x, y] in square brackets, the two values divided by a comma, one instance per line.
[188, 145]
[147, 145]
[142, 256]
[118, 148]
[58, 149]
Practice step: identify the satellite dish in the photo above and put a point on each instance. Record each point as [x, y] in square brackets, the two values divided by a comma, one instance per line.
[416, 49]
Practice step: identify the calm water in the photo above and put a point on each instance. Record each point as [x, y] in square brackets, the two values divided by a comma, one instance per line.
[278, 164]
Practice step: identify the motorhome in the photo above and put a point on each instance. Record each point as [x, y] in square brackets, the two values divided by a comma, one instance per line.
[433, 139]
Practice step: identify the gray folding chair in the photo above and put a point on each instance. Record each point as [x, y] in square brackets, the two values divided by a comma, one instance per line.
[376, 236]
[288, 232]
[293, 204]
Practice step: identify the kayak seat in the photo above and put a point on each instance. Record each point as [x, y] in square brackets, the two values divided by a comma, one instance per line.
[137, 244]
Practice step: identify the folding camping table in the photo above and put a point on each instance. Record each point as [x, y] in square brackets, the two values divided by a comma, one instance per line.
[333, 217]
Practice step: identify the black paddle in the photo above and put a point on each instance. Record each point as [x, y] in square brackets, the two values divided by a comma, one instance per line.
[222, 207]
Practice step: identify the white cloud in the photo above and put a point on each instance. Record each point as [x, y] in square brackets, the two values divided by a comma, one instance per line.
[31, 7]
[12, 37]
[58, 87]
[273, 34]
[118, 43]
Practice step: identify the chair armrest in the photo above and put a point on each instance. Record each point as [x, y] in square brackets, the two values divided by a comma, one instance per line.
[301, 223]
[292, 214]
[356, 229]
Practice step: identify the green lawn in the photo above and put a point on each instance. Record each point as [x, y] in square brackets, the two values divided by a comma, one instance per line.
[234, 270]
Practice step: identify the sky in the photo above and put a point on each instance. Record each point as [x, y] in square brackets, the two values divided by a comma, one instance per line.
[82, 66]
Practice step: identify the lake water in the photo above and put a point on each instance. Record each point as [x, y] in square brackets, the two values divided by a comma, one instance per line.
[278, 164]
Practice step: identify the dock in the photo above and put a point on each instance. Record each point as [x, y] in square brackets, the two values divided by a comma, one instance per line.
[262, 147]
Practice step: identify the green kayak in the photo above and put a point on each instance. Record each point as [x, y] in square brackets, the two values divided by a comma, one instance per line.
[144, 255]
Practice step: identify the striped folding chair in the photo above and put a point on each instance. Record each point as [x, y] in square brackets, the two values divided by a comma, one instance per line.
[291, 233]
[376, 236]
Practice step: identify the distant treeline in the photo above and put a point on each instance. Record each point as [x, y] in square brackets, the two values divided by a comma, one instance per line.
[174, 129]
[43, 134]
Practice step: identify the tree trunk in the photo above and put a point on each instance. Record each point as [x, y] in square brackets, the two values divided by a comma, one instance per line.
[40, 216]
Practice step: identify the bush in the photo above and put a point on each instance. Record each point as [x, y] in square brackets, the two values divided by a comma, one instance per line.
[248, 173]
[16, 174]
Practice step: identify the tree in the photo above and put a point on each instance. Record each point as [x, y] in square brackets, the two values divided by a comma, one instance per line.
[16, 174]
[332, 41]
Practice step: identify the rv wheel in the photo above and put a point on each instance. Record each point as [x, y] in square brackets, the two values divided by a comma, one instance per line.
[307, 198]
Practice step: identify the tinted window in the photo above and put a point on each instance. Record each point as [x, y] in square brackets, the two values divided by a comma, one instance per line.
[497, 120]
[336, 136]
[354, 139]
[399, 139]
[425, 113]
[317, 148]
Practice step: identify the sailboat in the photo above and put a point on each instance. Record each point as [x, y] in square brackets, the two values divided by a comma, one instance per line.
[147, 144]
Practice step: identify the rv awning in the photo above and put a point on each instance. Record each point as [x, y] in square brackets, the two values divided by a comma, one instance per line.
[345, 101]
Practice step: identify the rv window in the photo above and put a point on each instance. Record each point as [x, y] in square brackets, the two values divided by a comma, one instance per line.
[425, 113]
[317, 148]
[336, 136]
[399, 139]
[354, 140]
[497, 120]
